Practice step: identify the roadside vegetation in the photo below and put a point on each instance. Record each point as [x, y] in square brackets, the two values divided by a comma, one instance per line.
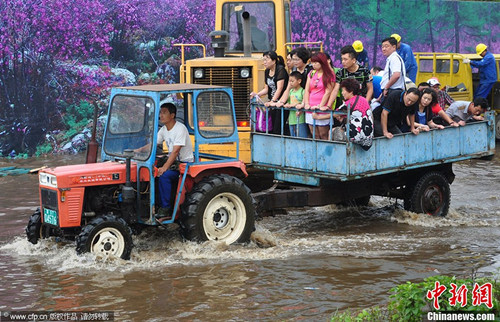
[409, 302]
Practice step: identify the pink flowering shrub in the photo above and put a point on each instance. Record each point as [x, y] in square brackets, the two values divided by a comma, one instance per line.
[44, 45]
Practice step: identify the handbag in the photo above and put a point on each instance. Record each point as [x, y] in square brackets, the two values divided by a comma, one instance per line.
[361, 127]
[261, 124]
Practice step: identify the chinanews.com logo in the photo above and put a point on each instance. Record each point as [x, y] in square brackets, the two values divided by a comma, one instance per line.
[481, 295]
[459, 316]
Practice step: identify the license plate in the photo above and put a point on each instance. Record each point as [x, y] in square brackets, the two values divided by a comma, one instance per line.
[50, 216]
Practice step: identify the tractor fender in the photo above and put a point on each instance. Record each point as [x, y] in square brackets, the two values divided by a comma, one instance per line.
[197, 172]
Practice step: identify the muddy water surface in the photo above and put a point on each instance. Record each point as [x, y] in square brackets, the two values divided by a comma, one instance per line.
[320, 260]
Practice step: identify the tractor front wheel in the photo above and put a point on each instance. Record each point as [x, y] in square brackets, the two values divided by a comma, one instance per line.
[106, 236]
[35, 230]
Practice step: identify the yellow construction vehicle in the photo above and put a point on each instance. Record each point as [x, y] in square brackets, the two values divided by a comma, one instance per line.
[457, 77]
[244, 30]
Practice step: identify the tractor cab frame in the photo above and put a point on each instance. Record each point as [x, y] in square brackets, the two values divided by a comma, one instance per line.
[208, 113]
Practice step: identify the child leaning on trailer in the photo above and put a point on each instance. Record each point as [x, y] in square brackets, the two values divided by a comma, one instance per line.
[296, 120]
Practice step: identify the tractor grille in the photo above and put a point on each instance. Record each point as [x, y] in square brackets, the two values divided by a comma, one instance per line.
[228, 76]
[49, 198]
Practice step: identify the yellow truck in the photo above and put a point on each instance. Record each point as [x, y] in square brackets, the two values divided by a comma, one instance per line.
[459, 78]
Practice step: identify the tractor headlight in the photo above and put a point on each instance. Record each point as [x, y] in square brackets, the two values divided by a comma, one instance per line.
[245, 72]
[48, 180]
[199, 73]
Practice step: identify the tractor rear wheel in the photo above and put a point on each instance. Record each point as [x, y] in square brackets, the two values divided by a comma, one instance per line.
[35, 230]
[106, 235]
[219, 207]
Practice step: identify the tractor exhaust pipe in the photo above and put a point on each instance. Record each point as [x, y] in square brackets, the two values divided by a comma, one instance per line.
[92, 146]
[247, 35]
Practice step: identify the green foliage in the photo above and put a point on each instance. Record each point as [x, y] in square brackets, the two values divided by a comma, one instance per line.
[76, 117]
[147, 56]
[374, 314]
[409, 302]
[21, 156]
[43, 149]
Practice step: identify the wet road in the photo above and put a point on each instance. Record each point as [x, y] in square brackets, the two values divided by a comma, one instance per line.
[321, 260]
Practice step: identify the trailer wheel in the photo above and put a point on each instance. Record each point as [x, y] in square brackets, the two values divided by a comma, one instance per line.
[106, 235]
[35, 230]
[430, 195]
[220, 208]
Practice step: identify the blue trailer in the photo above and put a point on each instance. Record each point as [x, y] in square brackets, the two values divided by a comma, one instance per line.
[415, 168]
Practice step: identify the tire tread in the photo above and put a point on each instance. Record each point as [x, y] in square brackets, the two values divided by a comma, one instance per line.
[414, 197]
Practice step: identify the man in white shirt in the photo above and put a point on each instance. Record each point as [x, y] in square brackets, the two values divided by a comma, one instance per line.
[180, 149]
[176, 137]
[394, 71]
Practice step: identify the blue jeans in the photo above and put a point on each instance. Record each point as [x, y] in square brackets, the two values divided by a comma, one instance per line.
[300, 130]
[166, 182]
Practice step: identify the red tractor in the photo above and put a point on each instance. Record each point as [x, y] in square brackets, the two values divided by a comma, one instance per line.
[100, 205]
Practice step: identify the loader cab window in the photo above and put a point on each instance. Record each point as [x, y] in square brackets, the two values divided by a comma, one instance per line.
[130, 125]
[288, 27]
[262, 24]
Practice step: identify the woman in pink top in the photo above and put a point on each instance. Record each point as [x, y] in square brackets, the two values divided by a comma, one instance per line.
[319, 85]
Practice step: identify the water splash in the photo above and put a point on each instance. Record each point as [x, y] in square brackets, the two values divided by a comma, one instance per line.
[366, 232]
[455, 218]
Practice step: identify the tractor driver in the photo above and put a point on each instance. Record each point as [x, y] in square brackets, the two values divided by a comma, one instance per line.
[176, 137]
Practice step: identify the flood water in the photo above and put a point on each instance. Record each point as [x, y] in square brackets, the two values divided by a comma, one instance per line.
[320, 260]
